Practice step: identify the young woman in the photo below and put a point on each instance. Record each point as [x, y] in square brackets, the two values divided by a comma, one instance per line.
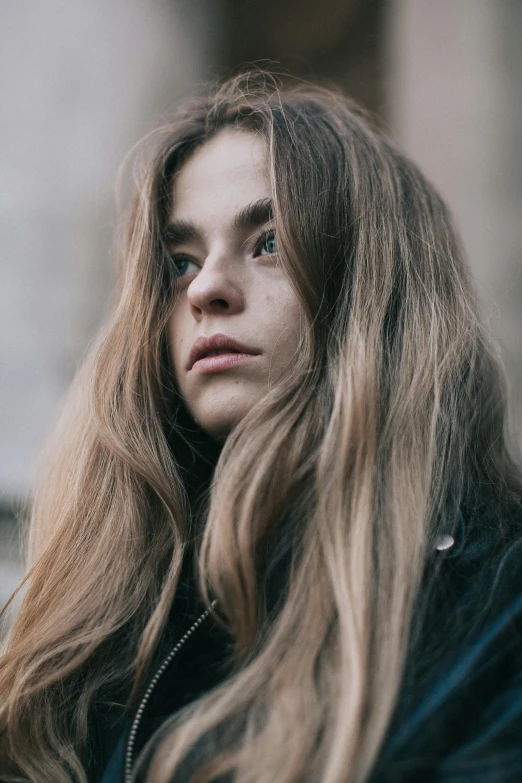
[279, 536]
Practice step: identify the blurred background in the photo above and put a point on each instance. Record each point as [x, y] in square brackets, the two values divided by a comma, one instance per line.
[82, 80]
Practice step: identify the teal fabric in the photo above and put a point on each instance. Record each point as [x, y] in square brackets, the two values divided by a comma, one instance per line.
[114, 771]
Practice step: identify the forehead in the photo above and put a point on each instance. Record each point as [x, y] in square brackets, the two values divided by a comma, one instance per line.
[227, 172]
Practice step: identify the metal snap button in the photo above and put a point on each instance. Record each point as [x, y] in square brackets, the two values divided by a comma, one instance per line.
[444, 541]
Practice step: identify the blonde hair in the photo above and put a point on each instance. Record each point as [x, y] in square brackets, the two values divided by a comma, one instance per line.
[391, 417]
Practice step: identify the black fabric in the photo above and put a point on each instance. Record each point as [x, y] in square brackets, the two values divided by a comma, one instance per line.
[201, 663]
[458, 717]
[459, 714]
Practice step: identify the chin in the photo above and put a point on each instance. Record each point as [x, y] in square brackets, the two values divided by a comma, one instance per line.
[218, 428]
[219, 424]
[219, 410]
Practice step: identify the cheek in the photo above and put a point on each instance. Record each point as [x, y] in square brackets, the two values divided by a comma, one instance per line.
[175, 337]
[289, 317]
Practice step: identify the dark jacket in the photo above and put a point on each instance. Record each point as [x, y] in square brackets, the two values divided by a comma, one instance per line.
[458, 717]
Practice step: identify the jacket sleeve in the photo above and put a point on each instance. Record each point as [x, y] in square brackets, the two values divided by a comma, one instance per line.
[463, 722]
[492, 751]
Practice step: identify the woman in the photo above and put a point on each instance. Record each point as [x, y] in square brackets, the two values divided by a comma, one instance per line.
[297, 561]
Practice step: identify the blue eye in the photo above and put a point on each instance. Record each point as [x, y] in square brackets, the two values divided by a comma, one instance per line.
[268, 245]
[179, 266]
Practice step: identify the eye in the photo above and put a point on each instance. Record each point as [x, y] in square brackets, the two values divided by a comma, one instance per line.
[180, 265]
[267, 244]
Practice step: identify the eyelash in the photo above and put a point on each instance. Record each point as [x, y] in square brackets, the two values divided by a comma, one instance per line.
[176, 259]
[261, 238]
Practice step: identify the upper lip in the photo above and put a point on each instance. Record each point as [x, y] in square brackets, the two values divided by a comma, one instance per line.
[216, 342]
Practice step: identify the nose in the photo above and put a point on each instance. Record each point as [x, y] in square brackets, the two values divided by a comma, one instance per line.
[217, 288]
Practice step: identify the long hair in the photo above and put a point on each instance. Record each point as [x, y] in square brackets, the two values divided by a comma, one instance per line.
[391, 416]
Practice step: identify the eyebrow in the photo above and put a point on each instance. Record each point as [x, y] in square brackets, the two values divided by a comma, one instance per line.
[254, 214]
[178, 232]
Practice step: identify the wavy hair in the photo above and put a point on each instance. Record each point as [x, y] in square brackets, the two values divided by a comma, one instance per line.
[390, 418]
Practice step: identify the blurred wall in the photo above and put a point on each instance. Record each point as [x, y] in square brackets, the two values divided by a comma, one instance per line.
[454, 100]
[81, 81]
[336, 40]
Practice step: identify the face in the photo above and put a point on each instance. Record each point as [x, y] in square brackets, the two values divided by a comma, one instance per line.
[231, 287]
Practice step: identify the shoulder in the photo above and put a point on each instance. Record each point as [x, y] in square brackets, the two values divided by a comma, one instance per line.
[479, 601]
[460, 707]
[479, 579]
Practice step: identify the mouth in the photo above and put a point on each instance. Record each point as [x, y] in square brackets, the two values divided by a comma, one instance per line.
[224, 351]
[217, 348]
[218, 362]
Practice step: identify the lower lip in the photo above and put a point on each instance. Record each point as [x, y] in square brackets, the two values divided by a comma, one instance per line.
[223, 361]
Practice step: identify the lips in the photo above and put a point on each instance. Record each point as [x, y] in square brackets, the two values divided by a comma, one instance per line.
[217, 342]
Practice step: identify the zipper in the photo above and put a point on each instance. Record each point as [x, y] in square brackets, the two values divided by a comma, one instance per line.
[131, 741]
